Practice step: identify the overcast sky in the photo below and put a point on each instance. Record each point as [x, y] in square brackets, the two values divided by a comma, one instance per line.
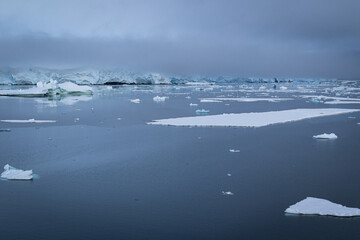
[317, 38]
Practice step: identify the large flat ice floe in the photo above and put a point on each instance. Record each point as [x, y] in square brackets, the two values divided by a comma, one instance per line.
[12, 173]
[318, 206]
[259, 119]
[220, 99]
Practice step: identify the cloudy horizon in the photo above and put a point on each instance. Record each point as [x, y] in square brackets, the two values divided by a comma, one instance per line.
[244, 38]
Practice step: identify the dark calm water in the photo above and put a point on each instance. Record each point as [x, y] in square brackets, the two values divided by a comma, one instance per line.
[103, 178]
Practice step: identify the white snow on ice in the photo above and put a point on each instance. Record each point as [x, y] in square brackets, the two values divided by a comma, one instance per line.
[258, 119]
[12, 173]
[318, 206]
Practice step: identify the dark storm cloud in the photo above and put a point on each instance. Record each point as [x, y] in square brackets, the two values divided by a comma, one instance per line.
[259, 38]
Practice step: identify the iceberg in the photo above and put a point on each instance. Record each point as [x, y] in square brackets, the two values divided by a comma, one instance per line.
[202, 111]
[72, 88]
[318, 206]
[12, 173]
[159, 99]
[32, 120]
[326, 136]
[135, 100]
[258, 119]
[47, 89]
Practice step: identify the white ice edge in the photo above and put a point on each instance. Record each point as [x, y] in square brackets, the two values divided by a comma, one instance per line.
[12, 173]
[29, 121]
[318, 206]
[258, 119]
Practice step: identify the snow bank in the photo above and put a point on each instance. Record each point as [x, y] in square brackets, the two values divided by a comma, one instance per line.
[326, 136]
[29, 121]
[12, 173]
[318, 206]
[259, 119]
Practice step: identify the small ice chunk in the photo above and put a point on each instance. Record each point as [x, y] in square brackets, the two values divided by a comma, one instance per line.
[119, 119]
[12, 173]
[159, 99]
[283, 88]
[202, 111]
[234, 150]
[193, 104]
[229, 174]
[32, 120]
[227, 193]
[188, 97]
[318, 206]
[135, 100]
[326, 136]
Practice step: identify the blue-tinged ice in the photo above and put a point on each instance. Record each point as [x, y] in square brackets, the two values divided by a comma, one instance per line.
[12, 173]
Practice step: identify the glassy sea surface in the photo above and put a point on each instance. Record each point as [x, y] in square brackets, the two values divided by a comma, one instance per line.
[106, 174]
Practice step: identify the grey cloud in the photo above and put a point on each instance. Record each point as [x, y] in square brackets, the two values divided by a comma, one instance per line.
[248, 38]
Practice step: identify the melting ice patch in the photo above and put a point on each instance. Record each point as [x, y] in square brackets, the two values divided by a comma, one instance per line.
[326, 136]
[12, 173]
[318, 206]
[259, 119]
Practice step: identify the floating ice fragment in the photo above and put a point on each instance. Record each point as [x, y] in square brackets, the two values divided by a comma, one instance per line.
[318, 206]
[227, 193]
[326, 136]
[135, 100]
[283, 88]
[119, 119]
[259, 119]
[193, 104]
[229, 174]
[159, 99]
[12, 173]
[202, 111]
[234, 150]
[209, 101]
[72, 88]
[32, 120]
[188, 97]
